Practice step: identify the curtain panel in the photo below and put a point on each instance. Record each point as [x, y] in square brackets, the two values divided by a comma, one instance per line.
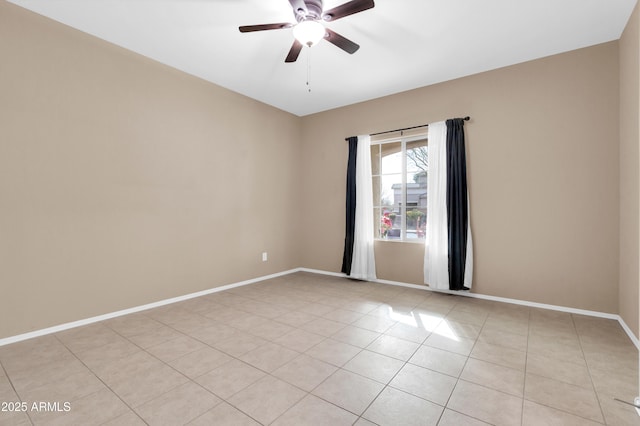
[448, 262]
[350, 219]
[359, 258]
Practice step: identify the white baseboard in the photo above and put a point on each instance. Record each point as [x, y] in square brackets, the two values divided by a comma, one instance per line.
[69, 325]
[86, 321]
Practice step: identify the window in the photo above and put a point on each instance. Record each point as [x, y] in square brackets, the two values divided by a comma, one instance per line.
[399, 175]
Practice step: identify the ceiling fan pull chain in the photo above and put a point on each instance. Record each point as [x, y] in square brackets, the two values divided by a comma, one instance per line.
[309, 70]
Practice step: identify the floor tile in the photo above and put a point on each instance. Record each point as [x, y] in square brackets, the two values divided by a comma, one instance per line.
[439, 360]
[617, 413]
[267, 399]
[323, 326]
[270, 330]
[375, 366]
[451, 343]
[108, 353]
[554, 349]
[491, 406]
[494, 376]
[314, 411]
[563, 396]
[615, 384]
[499, 355]
[305, 372]
[349, 391]
[424, 383]
[147, 384]
[453, 418]
[130, 418]
[507, 325]
[504, 339]
[269, 357]
[364, 422]
[192, 323]
[356, 336]
[317, 309]
[155, 337]
[200, 362]
[553, 368]
[333, 352]
[239, 344]
[408, 332]
[475, 318]
[540, 415]
[88, 337]
[96, 408]
[178, 406]
[7, 392]
[68, 388]
[131, 325]
[124, 368]
[454, 329]
[393, 347]
[393, 407]
[176, 348]
[28, 379]
[295, 318]
[374, 323]
[299, 340]
[230, 378]
[14, 418]
[224, 414]
[214, 333]
[343, 315]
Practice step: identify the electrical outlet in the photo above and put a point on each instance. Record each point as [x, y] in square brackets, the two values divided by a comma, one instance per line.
[264, 256]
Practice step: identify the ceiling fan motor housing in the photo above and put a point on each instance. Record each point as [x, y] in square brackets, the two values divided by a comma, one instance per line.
[314, 11]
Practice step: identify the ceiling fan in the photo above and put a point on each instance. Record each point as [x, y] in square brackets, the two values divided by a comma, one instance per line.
[309, 29]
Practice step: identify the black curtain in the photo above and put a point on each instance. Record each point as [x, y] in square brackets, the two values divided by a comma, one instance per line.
[457, 203]
[351, 206]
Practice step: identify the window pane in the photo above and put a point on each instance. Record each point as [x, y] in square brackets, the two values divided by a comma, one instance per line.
[417, 157]
[389, 224]
[391, 158]
[391, 192]
[416, 222]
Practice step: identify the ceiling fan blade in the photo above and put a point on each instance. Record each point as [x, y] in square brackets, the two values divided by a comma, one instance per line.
[347, 9]
[263, 27]
[299, 7]
[294, 52]
[342, 42]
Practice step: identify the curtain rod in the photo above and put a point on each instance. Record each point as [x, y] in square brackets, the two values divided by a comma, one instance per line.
[467, 118]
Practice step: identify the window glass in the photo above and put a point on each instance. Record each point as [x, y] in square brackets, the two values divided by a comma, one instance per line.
[399, 177]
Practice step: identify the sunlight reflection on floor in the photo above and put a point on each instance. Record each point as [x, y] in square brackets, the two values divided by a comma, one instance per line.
[432, 323]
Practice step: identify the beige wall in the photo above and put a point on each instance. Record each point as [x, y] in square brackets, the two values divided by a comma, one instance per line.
[629, 178]
[543, 164]
[124, 182]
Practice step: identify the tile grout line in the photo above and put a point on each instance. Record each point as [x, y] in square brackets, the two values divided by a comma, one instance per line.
[593, 385]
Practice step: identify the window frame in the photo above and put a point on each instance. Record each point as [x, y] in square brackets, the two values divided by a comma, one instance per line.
[404, 140]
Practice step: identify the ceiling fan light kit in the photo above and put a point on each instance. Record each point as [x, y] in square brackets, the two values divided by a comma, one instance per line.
[309, 30]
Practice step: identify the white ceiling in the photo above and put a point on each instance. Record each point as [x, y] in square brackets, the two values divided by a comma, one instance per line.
[404, 43]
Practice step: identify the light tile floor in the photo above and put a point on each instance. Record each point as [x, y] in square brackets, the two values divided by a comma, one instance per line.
[308, 349]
